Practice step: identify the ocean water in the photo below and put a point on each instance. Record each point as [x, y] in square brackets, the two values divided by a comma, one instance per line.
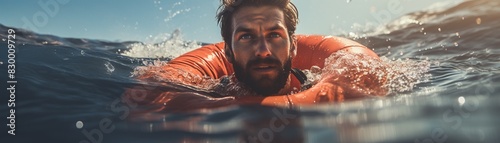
[70, 90]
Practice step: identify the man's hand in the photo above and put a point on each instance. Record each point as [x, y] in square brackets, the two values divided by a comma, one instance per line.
[323, 91]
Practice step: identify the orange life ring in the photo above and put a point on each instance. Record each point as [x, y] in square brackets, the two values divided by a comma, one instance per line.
[210, 60]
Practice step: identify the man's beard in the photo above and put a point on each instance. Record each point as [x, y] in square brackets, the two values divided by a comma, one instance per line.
[256, 84]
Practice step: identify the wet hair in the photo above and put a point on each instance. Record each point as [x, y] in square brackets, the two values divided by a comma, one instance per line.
[229, 7]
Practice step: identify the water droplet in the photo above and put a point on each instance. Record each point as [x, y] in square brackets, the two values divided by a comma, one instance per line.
[439, 29]
[461, 100]
[425, 33]
[463, 18]
[110, 68]
[82, 52]
[456, 44]
[79, 124]
[348, 1]
[478, 21]
[401, 53]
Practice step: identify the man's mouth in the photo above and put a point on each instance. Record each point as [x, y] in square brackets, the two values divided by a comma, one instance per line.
[264, 68]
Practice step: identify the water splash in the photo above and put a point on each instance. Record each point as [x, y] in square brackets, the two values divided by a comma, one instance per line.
[220, 87]
[405, 74]
[170, 46]
[172, 14]
[159, 73]
[366, 74]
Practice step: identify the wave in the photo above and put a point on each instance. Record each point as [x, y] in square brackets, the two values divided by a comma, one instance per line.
[66, 80]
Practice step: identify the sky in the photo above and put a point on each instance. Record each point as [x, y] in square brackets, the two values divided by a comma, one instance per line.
[145, 20]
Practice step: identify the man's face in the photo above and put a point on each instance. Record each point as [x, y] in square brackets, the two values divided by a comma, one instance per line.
[261, 48]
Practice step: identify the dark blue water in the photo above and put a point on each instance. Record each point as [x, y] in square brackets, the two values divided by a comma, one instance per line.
[62, 82]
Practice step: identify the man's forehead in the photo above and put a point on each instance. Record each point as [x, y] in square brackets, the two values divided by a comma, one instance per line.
[256, 14]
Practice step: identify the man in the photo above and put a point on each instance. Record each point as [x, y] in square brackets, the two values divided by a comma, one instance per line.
[263, 53]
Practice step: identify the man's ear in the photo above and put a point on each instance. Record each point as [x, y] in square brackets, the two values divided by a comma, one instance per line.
[229, 53]
[293, 49]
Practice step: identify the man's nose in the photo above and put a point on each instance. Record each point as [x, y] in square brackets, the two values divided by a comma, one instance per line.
[263, 49]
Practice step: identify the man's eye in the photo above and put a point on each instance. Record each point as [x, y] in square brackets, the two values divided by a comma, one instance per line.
[274, 35]
[246, 37]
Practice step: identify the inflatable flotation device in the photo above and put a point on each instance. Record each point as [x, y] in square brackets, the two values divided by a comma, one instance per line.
[210, 61]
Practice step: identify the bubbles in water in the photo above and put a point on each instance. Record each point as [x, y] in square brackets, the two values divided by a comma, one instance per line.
[110, 68]
[79, 124]
[82, 52]
[439, 29]
[456, 44]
